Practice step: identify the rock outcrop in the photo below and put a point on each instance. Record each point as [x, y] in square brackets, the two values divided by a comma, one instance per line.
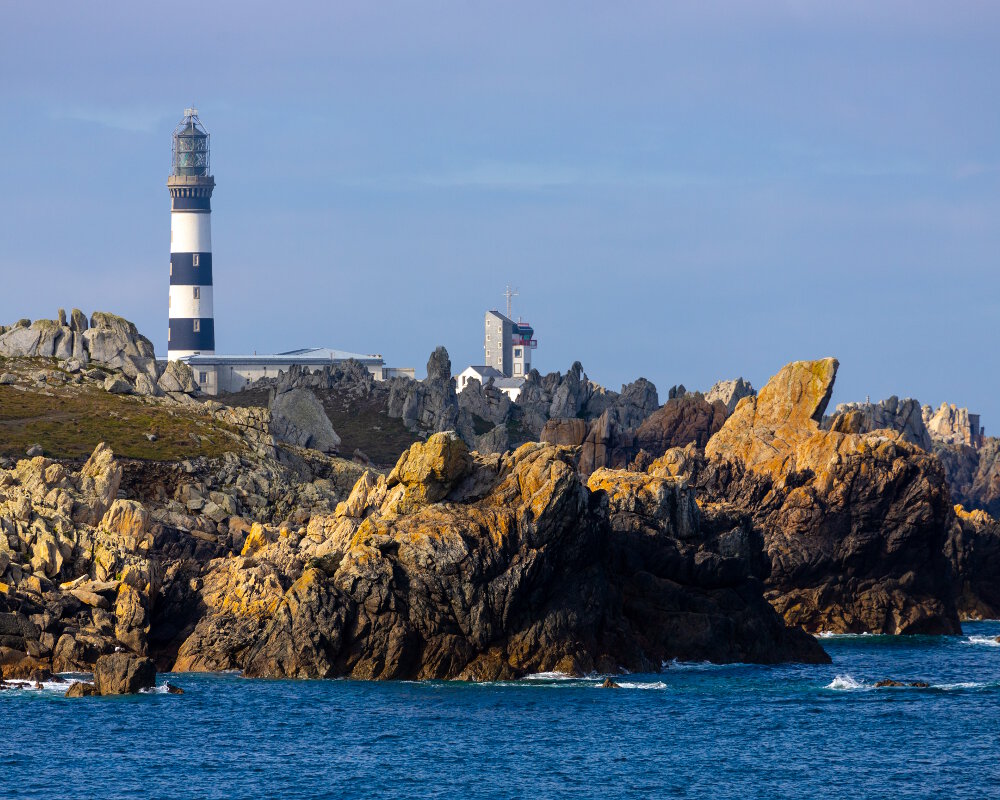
[681, 421]
[729, 393]
[428, 405]
[854, 524]
[973, 473]
[489, 567]
[903, 416]
[123, 673]
[952, 425]
[298, 417]
[973, 549]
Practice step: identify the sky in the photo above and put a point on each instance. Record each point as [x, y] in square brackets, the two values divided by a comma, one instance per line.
[686, 192]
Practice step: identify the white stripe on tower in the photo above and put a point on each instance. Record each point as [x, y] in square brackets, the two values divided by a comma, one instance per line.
[192, 322]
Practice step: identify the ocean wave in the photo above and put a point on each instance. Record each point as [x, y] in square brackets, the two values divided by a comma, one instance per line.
[987, 641]
[656, 686]
[161, 689]
[833, 635]
[845, 683]
[549, 676]
[51, 686]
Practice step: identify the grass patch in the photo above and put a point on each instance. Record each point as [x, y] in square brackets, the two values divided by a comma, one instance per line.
[69, 421]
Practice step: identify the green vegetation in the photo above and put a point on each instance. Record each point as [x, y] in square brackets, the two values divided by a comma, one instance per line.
[68, 421]
[363, 424]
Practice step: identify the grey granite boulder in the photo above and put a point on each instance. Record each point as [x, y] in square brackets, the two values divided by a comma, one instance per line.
[297, 417]
[178, 377]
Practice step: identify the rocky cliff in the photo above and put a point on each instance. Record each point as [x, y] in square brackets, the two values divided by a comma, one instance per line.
[486, 567]
[854, 524]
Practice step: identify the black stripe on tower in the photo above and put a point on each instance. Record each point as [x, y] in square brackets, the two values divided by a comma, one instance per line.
[191, 204]
[183, 272]
[183, 336]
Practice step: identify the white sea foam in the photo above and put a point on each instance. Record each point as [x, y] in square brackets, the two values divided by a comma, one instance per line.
[845, 683]
[549, 676]
[986, 641]
[51, 686]
[833, 635]
[161, 689]
[657, 685]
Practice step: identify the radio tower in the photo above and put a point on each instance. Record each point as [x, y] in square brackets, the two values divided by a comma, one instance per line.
[192, 325]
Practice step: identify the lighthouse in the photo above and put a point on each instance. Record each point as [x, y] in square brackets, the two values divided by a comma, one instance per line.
[192, 325]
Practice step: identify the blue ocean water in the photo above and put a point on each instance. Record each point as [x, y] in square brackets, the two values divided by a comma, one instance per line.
[696, 730]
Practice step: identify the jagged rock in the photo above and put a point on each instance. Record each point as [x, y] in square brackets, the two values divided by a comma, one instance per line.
[427, 472]
[78, 321]
[428, 405]
[894, 414]
[8, 378]
[952, 425]
[682, 420]
[973, 550]
[729, 393]
[490, 567]
[973, 473]
[178, 377]
[854, 524]
[146, 386]
[297, 417]
[81, 689]
[484, 404]
[98, 482]
[115, 385]
[565, 432]
[123, 673]
[494, 441]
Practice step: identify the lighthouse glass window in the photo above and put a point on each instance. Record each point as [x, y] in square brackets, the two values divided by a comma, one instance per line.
[194, 260]
[197, 325]
[197, 293]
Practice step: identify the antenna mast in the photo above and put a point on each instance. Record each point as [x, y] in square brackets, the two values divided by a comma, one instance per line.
[509, 294]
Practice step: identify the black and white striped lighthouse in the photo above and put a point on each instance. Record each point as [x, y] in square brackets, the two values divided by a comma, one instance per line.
[192, 325]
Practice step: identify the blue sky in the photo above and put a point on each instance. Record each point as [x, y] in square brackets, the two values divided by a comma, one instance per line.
[686, 192]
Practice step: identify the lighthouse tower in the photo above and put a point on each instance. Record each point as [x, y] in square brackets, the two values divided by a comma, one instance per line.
[192, 325]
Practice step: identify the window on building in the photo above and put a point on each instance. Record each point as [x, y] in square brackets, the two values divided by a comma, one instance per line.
[197, 293]
[197, 325]
[194, 260]
[202, 378]
[517, 369]
[487, 337]
[487, 353]
[517, 352]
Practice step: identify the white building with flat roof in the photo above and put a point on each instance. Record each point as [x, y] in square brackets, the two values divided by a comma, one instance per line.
[509, 386]
[219, 374]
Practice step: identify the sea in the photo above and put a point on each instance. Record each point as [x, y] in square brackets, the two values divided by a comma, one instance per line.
[694, 730]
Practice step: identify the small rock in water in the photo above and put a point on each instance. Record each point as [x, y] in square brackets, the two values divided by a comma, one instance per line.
[920, 685]
[40, 674]
[610, 684]
[81, 689]
[888, 682]
[171, 689]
